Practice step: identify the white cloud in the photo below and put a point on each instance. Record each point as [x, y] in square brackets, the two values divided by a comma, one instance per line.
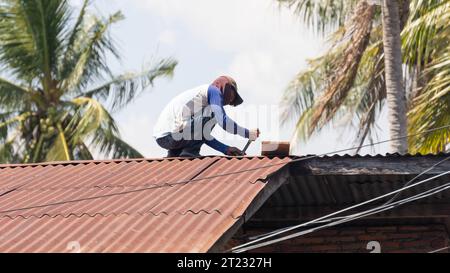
[136, 129]
[257, 43]
[167, 38]
[228, 25]
[268, 44]
[76, 3]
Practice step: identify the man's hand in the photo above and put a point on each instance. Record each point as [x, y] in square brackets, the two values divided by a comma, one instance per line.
[233, 151]
[254, 134]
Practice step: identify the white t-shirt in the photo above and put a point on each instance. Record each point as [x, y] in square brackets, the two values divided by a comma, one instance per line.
[180, 111]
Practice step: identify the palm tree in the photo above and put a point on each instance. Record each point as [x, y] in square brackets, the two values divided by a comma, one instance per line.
[50, 60]
[395, 91]
[347, 84]
[426, 43]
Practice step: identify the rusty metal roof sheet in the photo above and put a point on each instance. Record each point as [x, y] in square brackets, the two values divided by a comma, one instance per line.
[343, 190]
[127, 205]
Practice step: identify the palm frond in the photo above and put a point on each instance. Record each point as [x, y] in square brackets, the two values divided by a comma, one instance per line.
[81, 152]
[430, 108]
[6, 152]
[309, 87]
[322, 16]
[76, 32]
[419, 8]
[12, 96]
[35, 29]
[88, 60]
[123, 89]
[299, 96]
[59, 150]
[423, 117]
[4, 130]
[50, 59]
[92, 121]
[18, 48]
[366, 97]
[16, 119]
[302, 127]
[309, 84]
[427, 22]
[342, 80]
[373, 95]
[89, 115]
[112, 145]
[340, 84]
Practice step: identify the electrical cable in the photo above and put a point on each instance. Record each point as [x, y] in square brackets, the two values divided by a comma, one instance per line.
[219, 175]
[412, 180]
[340, 211]
[338, 218]
[439, 250]
[355, 217]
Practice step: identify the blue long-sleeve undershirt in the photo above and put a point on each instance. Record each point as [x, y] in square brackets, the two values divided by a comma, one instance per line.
[215, 101]
[217, 145]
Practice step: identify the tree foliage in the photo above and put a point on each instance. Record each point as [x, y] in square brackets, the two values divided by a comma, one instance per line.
[51, 59]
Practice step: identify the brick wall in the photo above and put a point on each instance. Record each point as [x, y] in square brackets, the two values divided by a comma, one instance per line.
[392, 239]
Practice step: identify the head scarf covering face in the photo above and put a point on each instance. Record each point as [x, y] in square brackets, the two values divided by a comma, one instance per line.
[222, 81]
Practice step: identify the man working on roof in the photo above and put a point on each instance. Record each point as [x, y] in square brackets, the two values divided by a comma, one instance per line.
[187, 121]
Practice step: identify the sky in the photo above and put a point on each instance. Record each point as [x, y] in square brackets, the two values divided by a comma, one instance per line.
[257, 42]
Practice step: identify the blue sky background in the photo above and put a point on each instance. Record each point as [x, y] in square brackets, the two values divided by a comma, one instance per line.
[255, 41]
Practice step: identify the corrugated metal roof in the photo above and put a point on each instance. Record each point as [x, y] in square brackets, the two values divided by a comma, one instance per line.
[386, 155]
[349, 190]
[341, 190]
[134, 205]
[126, 205]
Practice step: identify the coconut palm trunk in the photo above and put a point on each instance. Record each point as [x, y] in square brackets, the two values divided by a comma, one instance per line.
[357, 101]
[395, 91]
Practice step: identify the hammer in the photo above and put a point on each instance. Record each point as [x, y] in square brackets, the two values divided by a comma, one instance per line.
[246, 147]
[248, 144]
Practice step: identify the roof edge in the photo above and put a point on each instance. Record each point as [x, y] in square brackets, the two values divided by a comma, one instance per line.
[127, 160]
[78, 162]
